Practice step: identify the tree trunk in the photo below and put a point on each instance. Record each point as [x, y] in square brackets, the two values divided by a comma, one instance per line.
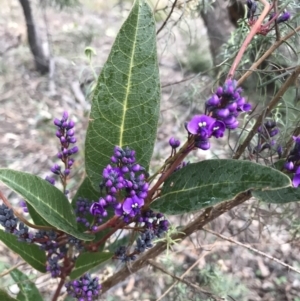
[35, 43]
[220, 21]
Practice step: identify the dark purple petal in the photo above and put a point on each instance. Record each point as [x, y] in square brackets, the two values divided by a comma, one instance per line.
[296, 139]
[233, 125]
[229, 120]
[296, 180]
[70, 125]
[213, 101]
[241, 102]
[246, 107]
[289, 166]
[65, 116]
[232, 106]
[202, 144]
[284, 17]
[57, 122]
[274, 132]
[218, 129]
[222, 113]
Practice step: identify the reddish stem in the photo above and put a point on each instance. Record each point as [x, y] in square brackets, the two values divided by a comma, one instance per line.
[58, 289]
[255, 28]
[110, 223]
[177, 159]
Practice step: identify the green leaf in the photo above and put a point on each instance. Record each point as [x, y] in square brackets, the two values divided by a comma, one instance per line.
[28, 290]
[32, 254]
[87, 261]
[210, 182]
[125, 106]
[49, 202]
[279, 165]
[4, 296]
[278, 196]
[37, 219]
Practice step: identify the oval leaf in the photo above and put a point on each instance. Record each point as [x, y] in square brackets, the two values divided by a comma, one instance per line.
[32, 254]
[49, 202]
[210, 182]
[4, 296]
[87, 261]
[28, 290]
[278, 196]
[37, 219]
[125, 106]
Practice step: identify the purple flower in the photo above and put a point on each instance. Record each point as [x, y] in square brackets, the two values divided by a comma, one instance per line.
[283, 17]
[50, 180]
[132, 205]
[289, 166]
[174, 142]
[246, 107]
[23, 204]
[97, 209]
[201, 125]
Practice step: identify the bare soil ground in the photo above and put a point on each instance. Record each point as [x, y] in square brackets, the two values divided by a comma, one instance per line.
[29, 102]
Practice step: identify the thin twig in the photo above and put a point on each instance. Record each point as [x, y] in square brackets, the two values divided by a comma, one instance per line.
[207, 216]
[275, 4]
[253, 250]
[185, 273]
[167, 19]
[196, 287]
[58, 289]
[266, 55]
[12, 268]
[273, 103]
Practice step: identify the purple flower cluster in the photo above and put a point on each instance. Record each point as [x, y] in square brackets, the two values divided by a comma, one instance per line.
[293, 162]
[84, 289]
[226, 104]
[11, 224]
[154, 225]
[123, 175]
[48, 242]
[46, 239]
[65, 133]
[221, 112]
[8, 219]
[121, 254]
[155, 222]
[56, 249]
[82, 210]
